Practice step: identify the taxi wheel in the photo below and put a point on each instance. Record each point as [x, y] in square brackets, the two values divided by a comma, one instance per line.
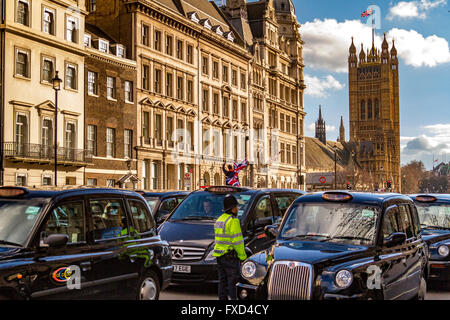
[148, 287]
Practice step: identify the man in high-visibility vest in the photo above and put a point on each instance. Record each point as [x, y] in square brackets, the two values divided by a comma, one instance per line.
[229, 248]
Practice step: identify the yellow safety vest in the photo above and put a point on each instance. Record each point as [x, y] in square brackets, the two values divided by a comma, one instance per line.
[228, 236]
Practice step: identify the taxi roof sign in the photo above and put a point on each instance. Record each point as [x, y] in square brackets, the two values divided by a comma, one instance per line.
[337, 196]
[12, 192]
[425, 198]
[221, 189]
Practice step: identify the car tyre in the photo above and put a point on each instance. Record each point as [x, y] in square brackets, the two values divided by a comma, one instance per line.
[422, 290]
[148, 287]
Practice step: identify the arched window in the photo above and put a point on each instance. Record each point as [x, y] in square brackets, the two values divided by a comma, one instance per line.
[369, 109]
[363, 110]
[377, 109]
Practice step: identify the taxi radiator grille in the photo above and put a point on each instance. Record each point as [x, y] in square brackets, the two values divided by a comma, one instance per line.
[187, 253]
[290, 280]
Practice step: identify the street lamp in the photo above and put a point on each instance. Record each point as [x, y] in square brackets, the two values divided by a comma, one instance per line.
[56, 83]
[335, 167]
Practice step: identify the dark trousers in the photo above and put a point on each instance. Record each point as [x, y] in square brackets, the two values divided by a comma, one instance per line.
[228, 269]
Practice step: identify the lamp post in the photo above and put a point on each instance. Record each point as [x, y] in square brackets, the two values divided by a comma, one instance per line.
[56, 82]
[335, 168]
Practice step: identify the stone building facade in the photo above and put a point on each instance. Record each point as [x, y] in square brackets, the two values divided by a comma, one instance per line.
[39, 38]
[374, 112]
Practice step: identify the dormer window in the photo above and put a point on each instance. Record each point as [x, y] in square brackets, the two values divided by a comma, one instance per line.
[193, 16]
[206, 24]
[230, 36]
[87, 40]
[103, 45]
[120, 52]
[218, 30]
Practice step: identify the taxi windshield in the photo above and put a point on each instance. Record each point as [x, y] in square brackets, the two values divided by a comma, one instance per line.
[333, 222]
[434, 215]
[208, 205]
[17, 219]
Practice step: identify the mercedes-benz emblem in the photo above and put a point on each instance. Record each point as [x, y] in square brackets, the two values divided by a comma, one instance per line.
[178, 253]
[291, 265]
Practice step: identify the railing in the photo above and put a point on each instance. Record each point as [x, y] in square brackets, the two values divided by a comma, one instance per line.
[34, 151]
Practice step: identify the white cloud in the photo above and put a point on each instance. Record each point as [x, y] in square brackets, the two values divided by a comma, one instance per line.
[418, 51]
[327, 44]
[311, 128]
[434, 142]
[413, 9]
[320, 87]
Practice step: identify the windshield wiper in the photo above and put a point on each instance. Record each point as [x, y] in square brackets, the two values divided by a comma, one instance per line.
[10, 243]
[347, 238]
[301, 236]
[198, 218]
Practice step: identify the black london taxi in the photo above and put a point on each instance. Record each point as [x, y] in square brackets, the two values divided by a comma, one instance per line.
[190, 228]
[341, 245]
[162, 203]
[434, 215]
[80, 244]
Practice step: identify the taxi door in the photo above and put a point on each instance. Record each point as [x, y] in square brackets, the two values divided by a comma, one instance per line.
[61, 272]
[260, 216]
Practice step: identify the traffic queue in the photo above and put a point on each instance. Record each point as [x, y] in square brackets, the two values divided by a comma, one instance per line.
[112, 243]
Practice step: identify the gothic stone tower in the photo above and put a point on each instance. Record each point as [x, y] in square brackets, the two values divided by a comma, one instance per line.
[374, 112]
[321, 132]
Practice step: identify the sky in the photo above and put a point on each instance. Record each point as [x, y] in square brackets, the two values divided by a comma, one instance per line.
[421, 30]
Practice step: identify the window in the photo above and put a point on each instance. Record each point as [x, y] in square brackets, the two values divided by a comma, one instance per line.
[110, 183]
[70, 138]
[71, 77]
[21, 179]
[190, 54]
[157, 40]
[158, 127]
[190, 91]
[377, 109]
[180, 49]
[47, 69]
[282, 153]
[288, 123]
[23, 63]
[110, 142]
[205, 65]
[263, 210]
[225, 74]
[281, 121]
[155, 175]
[243, 111]
[180, 88]
[91, 182]
[92, 139]
[363, 110]
[145, 35]
[146, 124]
[216, 103]
[128, 85]
[109, 219]
[146, 77]
[21, 132]
[48, 21]
[71, 29]
[180, 130]
[169, 45]
[111, 87]
[47, 180]
[390, 224]
[369, 109]
[92, 83]
[169, 129]
[234, 77]
[141, 217]
[190, 130]
[47, 135]
[235, 110]
[226, 112]
[157, 82]
[205, 100]
[23, 12]
[169, 84]
[103, 46]
[92, 5]
[67, 218]
[127, 143]
[215, 69]
[283, 202]
[406, 224]
[288, 154]
[243, 81]
[87, 40]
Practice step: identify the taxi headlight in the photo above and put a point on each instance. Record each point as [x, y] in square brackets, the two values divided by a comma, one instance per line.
[443, 250]
[248, 269]
[253, 272]
[343, 279]
[210, 256]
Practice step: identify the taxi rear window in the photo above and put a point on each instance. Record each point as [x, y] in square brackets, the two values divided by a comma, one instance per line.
[17, 219]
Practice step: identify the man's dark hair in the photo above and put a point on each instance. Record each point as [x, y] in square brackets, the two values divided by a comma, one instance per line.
[230, 167]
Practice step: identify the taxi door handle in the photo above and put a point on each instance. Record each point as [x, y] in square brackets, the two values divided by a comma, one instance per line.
[86, 266]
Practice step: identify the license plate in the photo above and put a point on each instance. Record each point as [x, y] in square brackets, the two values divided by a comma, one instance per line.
[181, 268]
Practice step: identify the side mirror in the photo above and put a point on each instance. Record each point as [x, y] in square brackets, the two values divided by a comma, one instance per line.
[55, 240]
[271, 231]
[395, 239]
